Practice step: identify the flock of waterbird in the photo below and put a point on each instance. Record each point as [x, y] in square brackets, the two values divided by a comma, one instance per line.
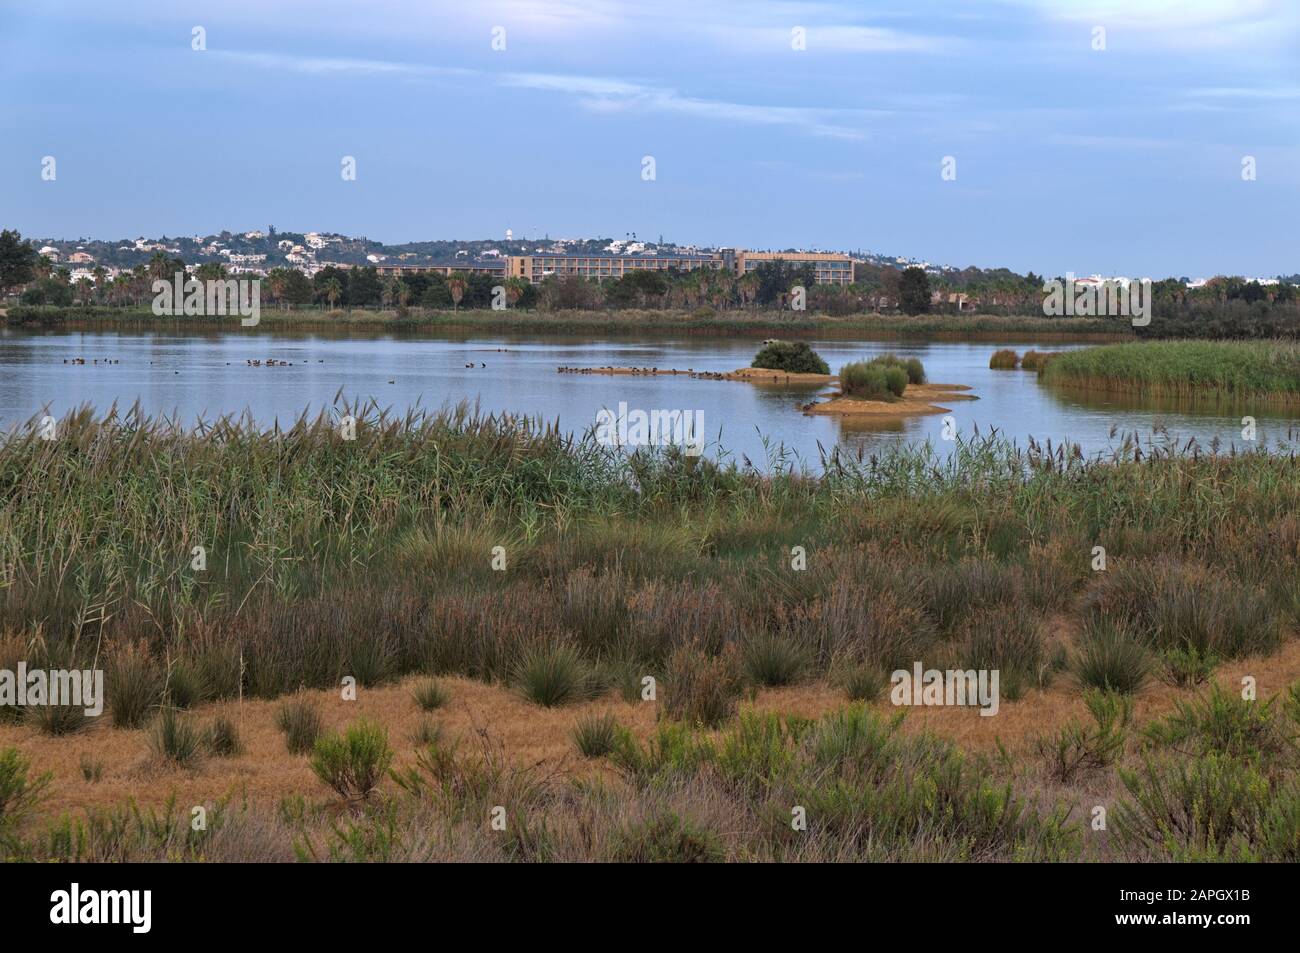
[248, 362]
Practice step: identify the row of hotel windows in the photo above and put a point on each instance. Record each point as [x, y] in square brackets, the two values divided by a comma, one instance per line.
[825, 271]
[660, 264]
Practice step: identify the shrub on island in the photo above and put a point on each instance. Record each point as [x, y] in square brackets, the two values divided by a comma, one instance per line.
[794, 357]
[868, 380]
[912, 366]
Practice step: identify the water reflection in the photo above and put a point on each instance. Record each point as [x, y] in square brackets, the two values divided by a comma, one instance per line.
[206, 373]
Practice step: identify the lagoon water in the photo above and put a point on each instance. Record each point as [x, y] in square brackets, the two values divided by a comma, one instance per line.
[204, 375]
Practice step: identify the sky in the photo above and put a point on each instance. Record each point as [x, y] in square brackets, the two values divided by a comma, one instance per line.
[1093, 136]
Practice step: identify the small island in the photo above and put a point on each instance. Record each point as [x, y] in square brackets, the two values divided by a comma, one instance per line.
[886, 386]
[919, 400]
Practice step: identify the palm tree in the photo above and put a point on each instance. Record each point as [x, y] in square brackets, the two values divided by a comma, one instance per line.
[456, 284]
[210, 271]
[276, 282]
[723, 288]
[332, 290]
[160, 266]
[696, 286]
[515, 288]
[748, 286]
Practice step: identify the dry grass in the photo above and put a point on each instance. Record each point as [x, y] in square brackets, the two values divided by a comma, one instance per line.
[530, 736]
[1004, 360]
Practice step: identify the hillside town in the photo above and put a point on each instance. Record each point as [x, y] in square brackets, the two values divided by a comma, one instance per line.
[258, 253]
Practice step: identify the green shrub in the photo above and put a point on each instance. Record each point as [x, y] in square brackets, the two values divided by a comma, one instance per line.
[699, 688]
[19, 792]
[184, 687]
[861, 682]
[426, 732]
[667, 839]
[1223, 722]
[134, 686]
[353, 762]
[625, 676]
[430, 694]
[1011, 643]
[57, 719]
[300, 721]
[951, 591]
[223, 738]
[174, 738]
[1004, 360]
[896, 380]
[552, 675]
[796, 357]
[1206, 808]
[1186, 665]
[673, 750]
[218, 668]
[1110, 658]
[1075, 748]
[900, 798]
[854, 741]
[759, 751]
[367, 658]
[1278, 836]
[772, 660]
[1187, 607]
[912, 366]
[595, 735]
[866, 381]
[1291, 703]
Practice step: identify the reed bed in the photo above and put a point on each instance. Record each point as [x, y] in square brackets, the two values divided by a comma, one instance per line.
[1257, 371]
[1037, 360]
[1004, 360]
[460, 543]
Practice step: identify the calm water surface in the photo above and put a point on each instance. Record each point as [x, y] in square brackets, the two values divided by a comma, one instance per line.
[196, 375]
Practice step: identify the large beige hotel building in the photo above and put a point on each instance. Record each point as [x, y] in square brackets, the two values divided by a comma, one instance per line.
[829, 268]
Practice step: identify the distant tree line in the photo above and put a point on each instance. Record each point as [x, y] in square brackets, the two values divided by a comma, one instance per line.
[1225, 307]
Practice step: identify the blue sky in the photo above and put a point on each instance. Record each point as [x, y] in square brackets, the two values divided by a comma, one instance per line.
[1124, 160]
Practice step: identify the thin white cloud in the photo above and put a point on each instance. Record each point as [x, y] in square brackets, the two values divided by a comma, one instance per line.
[335, 65]
[1181, 24]
[596, 93]
[609, 95]
[1076, 140]
[828, 38]
[1265, 93]
[1168, 14]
